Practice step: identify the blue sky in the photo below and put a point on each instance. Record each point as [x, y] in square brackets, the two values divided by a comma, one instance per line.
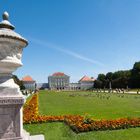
[77, 37]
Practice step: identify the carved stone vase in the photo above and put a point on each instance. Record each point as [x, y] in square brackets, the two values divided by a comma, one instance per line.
[11, 99]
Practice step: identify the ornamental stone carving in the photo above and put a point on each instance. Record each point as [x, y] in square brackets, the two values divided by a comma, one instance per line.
[11, 46]
[11, 99]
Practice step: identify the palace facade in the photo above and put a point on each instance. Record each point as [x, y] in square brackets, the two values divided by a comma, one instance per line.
[86, 83]
[29, 83]
[61, 81]
[58, 81]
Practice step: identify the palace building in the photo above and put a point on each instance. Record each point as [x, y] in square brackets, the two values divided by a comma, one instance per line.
[74, 86]
[86, 83]
[61, 81]
[29, 83]
[58, 81]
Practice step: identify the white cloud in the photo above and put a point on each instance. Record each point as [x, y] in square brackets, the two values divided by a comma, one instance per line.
[70, 53]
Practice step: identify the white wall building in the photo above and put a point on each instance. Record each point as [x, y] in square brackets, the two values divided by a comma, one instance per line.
[86, 83]
[58, 81]
[29, 83]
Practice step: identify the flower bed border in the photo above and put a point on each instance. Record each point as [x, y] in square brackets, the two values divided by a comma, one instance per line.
[76, 122]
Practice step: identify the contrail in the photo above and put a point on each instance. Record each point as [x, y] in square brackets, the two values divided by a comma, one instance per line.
[70, 53]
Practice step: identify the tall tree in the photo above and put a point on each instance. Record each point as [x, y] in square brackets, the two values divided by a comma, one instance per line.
[109, 76]
[18, 82]
[135, 75]
[98, 84]
[102, 79]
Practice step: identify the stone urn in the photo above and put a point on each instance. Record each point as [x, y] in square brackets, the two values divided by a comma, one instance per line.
[11, 99]
[11, 46]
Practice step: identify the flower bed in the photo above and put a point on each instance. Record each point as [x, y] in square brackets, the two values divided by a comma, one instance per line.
[76, 122]
[31, 113]
[30, 110]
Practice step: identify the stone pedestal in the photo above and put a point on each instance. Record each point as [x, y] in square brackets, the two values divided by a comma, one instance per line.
[10, 117]
[11, 127]
[11, 102]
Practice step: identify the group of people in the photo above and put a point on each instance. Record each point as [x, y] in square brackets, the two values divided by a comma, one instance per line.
[117, 90]
[27, 92]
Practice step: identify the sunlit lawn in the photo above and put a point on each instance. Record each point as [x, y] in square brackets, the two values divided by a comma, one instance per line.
[59, 131]
[62, 103]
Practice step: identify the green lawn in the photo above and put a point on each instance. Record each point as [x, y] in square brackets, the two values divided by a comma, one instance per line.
[59, 131]
[62, 103]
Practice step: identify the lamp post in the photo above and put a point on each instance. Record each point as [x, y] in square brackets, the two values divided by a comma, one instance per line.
[110, 86]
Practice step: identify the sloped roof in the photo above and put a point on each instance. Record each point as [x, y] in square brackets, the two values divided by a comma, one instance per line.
[59, 74]
[28, 79]
[86, 79]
